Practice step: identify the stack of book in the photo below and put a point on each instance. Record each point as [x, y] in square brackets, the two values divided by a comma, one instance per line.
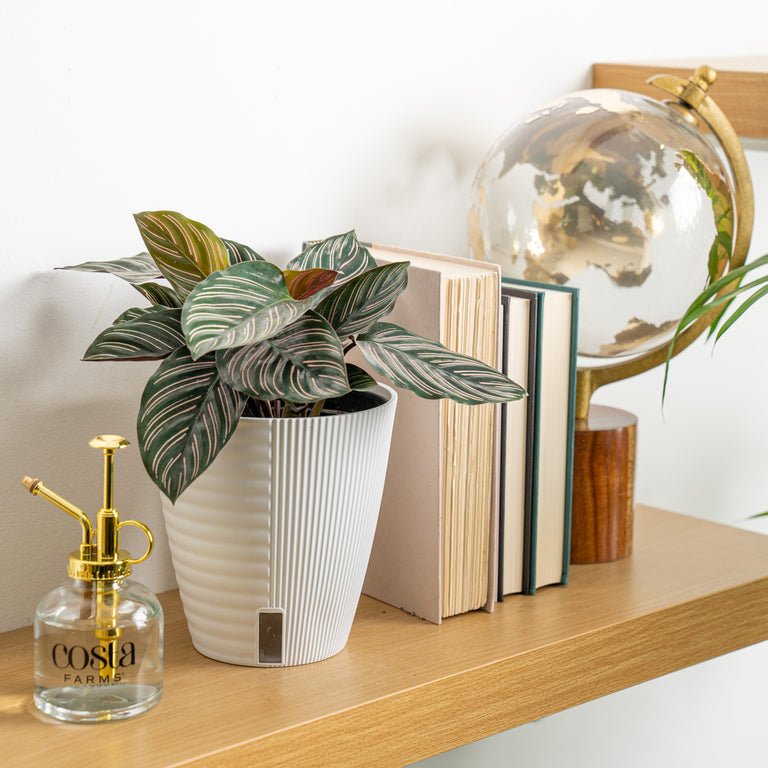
[539, 328]
[477, 499]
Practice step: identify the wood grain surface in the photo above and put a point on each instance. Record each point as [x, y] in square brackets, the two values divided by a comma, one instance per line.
[740, 90]
[603, 485]
[404, 689]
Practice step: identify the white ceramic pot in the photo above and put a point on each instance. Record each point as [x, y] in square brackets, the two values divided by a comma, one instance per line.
[271, 543]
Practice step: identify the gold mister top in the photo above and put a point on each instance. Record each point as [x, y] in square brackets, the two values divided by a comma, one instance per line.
[99, 557]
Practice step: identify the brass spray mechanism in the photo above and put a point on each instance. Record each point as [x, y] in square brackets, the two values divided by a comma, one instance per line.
[99, 557]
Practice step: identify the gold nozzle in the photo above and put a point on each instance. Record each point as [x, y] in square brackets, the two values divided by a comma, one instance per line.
[99, 559]
[36, 488]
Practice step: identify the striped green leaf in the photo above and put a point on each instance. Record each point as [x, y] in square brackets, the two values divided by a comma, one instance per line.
[133, 269]
[238, 252]
[129, 314]
[242, 305]
[301, 364]
[159, 295]
[342, 253]
[359, 378]
[139, 334]
[187, 415]
[431, 370]
[185, 251]
[361, 301]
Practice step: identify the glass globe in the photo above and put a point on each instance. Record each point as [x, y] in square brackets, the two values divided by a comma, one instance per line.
[616, 194]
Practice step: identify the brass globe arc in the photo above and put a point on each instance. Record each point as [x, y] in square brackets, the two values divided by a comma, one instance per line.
[692, 97]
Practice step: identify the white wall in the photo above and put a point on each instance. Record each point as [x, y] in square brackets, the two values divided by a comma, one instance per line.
[274, 123]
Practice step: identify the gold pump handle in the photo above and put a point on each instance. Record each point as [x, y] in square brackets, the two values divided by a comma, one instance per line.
[109, 444]
[100, 559]
[150, 541]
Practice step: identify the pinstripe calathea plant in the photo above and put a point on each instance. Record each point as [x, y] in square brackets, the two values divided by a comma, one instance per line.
[238, 336]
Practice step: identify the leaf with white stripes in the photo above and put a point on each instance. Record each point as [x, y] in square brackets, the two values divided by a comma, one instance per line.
[301, 364]
[147, 334]
[361, 301]
[134, 269]
[341, 253]
[359, 378]
[242, 305]
[159, 295]
[187, 415]
[432, 371]
[238, 252]
[185, 251]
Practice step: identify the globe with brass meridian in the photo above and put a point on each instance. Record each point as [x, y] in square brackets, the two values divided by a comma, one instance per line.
[617, 194]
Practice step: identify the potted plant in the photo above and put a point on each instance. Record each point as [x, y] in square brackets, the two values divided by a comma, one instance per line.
[252, 426]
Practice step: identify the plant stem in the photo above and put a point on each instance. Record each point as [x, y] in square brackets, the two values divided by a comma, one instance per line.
[317, 408]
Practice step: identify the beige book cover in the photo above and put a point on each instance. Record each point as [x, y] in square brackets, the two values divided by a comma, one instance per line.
[407, 562]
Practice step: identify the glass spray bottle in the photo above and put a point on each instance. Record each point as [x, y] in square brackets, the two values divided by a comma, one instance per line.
[98, 638]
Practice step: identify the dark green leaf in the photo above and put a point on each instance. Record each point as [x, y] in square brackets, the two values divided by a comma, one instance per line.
[185, 251]
[187, 415]
[361, 301]
[342, 253]
[302, 363]
[159, 295]
[130, 314]
[431, 370]
[242, 305]
[133, 269]
[145, 334]
[358, 378]
[238, 252]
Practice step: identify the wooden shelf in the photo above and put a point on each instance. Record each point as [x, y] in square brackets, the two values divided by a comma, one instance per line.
[741, 88]
[404, 689]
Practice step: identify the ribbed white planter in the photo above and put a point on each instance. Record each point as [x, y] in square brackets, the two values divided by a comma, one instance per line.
[271, 543]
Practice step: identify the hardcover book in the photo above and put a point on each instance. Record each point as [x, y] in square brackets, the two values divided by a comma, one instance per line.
[554, 400]
[520, 327]
[435, 554]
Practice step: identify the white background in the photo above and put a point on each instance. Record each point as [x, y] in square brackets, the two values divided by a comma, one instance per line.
[274, 123]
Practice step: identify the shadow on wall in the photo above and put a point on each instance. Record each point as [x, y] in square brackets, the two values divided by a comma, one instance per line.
[53, 405]
[421, 203]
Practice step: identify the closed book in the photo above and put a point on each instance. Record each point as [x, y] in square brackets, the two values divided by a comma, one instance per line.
[554, 401]
[433, 554]
[519, 351]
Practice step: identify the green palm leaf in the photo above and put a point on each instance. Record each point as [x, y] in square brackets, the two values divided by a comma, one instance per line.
[431, 370]
[144, 334]
[303, 363]
[731, 286]
[133, 269]
[242, 305]
[187, 415]
[185, 251]
[342, 253]
[708, 299]
[361, 301]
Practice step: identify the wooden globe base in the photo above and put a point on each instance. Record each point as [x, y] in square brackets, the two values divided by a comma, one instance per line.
[603, 485]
